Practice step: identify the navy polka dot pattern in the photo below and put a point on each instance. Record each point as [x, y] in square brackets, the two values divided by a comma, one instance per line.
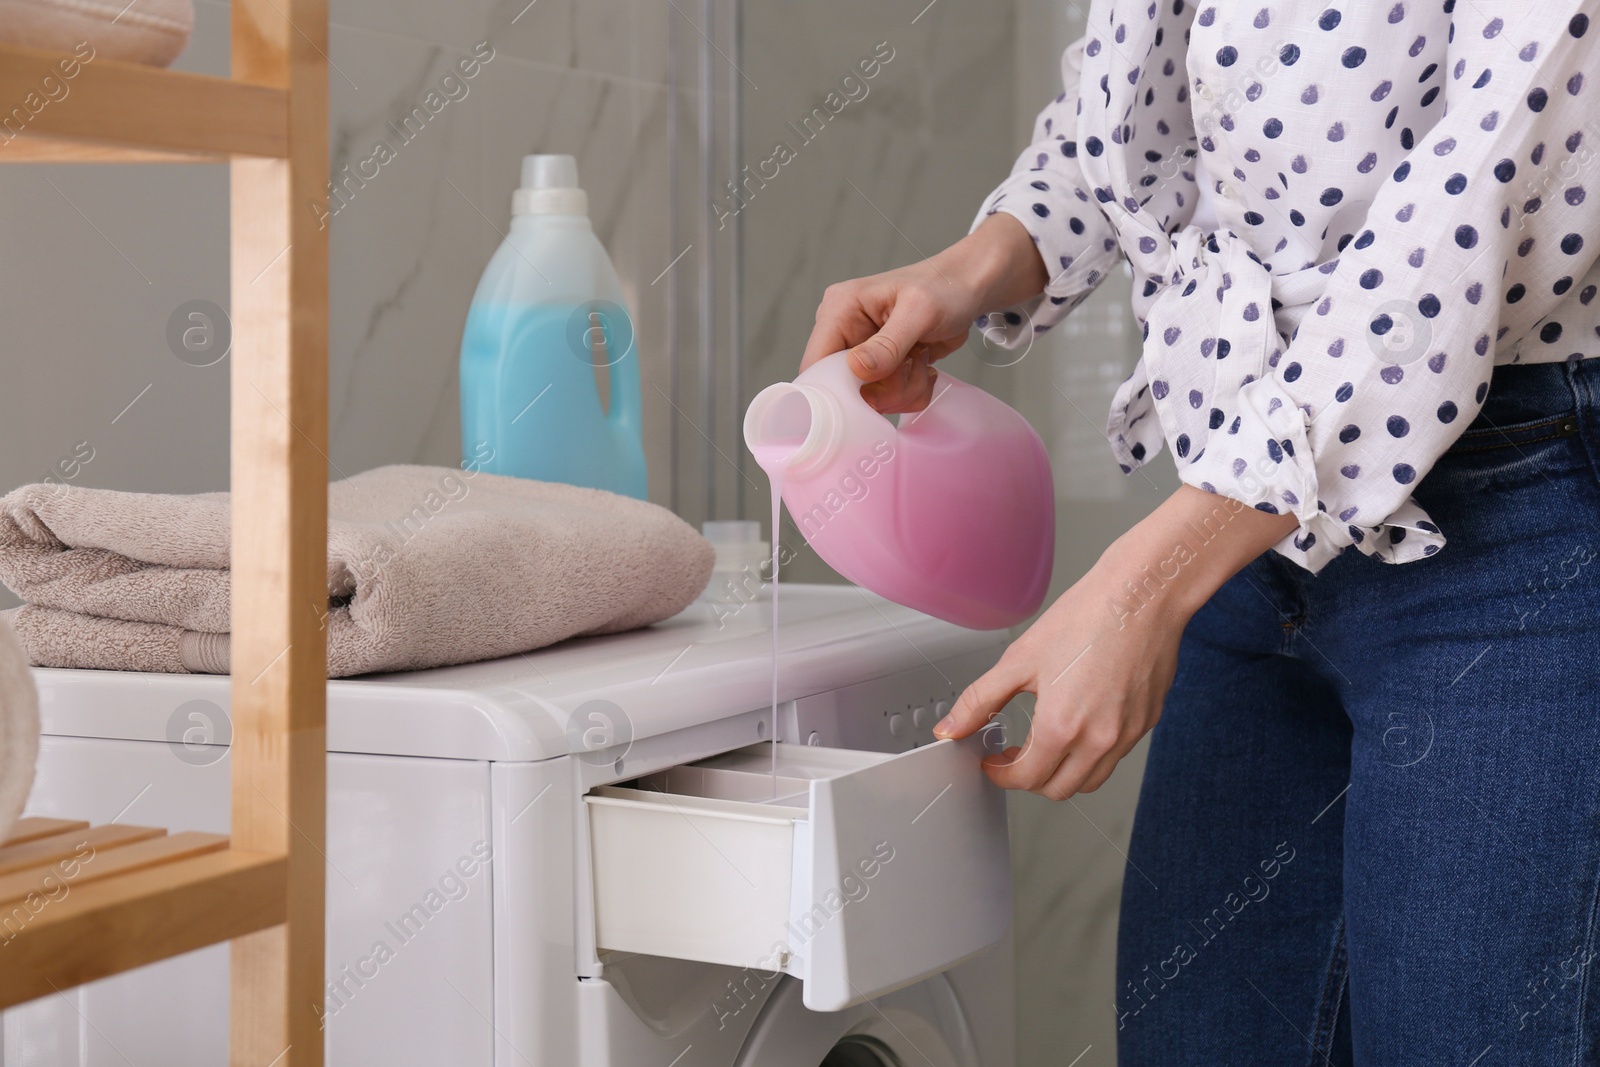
[1339, 218]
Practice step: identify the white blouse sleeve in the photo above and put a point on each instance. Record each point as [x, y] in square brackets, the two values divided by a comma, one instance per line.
[1471, 243]
[1049, 195]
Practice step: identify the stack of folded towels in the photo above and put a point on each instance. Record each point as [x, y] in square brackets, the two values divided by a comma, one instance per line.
[427, 566]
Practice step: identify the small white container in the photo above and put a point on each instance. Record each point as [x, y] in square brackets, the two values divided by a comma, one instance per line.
[742, 573]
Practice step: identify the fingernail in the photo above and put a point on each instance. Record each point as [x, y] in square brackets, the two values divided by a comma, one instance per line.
[944, 727]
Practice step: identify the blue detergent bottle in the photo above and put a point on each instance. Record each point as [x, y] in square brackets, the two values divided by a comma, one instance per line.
[548, 316]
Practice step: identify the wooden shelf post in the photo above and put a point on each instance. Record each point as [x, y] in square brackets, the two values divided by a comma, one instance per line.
[279, 484]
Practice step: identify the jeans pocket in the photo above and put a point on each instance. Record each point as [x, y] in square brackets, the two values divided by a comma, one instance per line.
[1484, 437]
[1492, 458]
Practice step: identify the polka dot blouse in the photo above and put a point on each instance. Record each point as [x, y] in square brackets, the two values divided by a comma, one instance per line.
[1338, 219]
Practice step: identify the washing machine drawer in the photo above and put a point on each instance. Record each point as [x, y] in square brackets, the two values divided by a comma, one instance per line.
[857, 872]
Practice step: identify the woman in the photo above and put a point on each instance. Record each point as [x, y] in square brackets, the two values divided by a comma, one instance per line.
[1369, 830]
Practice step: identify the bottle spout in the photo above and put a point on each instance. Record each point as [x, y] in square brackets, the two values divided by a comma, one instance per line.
[792, 428]
[549, 187]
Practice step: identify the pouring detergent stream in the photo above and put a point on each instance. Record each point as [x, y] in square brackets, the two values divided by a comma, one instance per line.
[777, 508]
[771, 457]
[950, 512]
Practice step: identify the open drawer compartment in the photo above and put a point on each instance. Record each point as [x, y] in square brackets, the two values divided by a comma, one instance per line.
[856, 872]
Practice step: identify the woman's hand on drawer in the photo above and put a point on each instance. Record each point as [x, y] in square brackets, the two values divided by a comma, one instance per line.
[1099, 688]
[1101, 658]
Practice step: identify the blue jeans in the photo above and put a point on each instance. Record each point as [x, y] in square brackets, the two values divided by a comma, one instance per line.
[1369, 831]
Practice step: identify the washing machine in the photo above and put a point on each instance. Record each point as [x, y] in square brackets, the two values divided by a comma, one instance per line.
[608, 852]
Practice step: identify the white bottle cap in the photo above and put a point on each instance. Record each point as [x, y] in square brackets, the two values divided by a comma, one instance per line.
[549, 187]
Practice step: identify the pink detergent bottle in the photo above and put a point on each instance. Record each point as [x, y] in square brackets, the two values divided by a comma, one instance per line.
[952, 512]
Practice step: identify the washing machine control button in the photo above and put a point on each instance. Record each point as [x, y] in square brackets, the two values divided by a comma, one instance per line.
[897, 724]
[920, 718]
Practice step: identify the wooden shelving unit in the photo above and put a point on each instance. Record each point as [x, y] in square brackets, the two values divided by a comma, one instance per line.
[148, 895]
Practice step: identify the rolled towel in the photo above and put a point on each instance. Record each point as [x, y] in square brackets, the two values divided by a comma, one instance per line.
[427, 566]
[143, 31]
[19, 729]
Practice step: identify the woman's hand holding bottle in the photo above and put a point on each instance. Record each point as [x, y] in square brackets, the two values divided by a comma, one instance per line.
[899, 323]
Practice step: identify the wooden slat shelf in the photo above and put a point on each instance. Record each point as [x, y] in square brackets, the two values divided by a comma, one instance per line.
[79, 903]
[31, 829]
[57, 848]
[127, 112]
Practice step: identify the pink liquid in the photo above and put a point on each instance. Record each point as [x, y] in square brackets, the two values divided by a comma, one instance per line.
[777, 504]
[772, 458]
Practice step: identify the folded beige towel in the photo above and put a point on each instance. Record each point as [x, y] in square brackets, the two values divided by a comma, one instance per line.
[140, 31]
[427, 566]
